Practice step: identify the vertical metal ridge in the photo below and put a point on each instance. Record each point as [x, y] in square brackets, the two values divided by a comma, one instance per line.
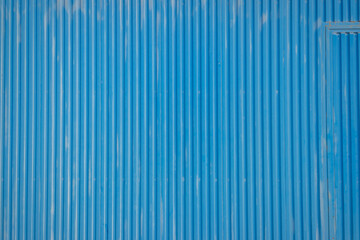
[355, 39]
[30, 232]
[197, 119]
[119, 56]
[24, 119]
[152, 122]
[15, 119]
[102, 16]
[23, 130]
[111, 210]
[181, 122]
[347, 135]
[163, 200]
[52, 123]
[144, 121]
[128, 125]
[205, 172]
[76, 131]
[275, 67]
[188, 121]
[7, 124]
[92, 122]
[354, 87]
[251, 218]
[305, 145]
[2, 114]
[214, 154]
[268, 164]
[172, 173]
[317, 10]
[296, 124]
[283, 41]
[137, 137]
[258, 120]
[67, 120]
[59, 122]
[84, 115]
[242, 68]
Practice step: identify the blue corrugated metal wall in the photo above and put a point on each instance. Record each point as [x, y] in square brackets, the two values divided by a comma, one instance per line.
[343, 122]
[164, 119]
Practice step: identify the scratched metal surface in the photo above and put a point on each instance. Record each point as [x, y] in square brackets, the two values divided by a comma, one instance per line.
[165, 119]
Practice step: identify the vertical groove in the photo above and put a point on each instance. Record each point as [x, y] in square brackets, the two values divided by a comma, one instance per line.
[67, 120]
[152, 122]
[7, 125]
[59, 122]
[172, 172]
[225, 126]
[205, 179]
[24, 115]
[180, 123]
[84, 131]
[111, 169]
[346, 135]
[136, 120]
[354, 87]
[30, 234]
[119, 82]
[258, 121]
[296, 101]
[249, 120]
[29, 154]
[128, 120]
[144, 126]
[276, 157]
[268, 164]
[188, 121]
[233, 88]
[15, 119]
[76, 131]
[92, 122]
[51, 58]
[305, 146]
[2, 113]
[213, 123]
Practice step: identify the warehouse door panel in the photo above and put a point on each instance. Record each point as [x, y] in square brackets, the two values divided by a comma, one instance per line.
[343, 123]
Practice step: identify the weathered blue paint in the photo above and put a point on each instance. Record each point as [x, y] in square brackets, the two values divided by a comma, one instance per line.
[180, 119]
[342, 126]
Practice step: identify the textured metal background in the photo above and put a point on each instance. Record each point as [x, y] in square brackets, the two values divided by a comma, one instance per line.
[343, 124]
[164, 119]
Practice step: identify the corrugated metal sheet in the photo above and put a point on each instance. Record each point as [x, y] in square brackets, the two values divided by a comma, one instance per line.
[343, 122]
[165, 119]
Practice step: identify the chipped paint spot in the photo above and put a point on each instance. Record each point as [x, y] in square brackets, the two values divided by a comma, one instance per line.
[98, 16]
[197, 184]
[67, 143]
[318, 23]
[53, 47]
[151, 5]
[203, 3]
[76, 6]
[264, 18]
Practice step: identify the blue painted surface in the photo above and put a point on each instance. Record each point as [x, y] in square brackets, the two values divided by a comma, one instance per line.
[342, 75]
[186, 119]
